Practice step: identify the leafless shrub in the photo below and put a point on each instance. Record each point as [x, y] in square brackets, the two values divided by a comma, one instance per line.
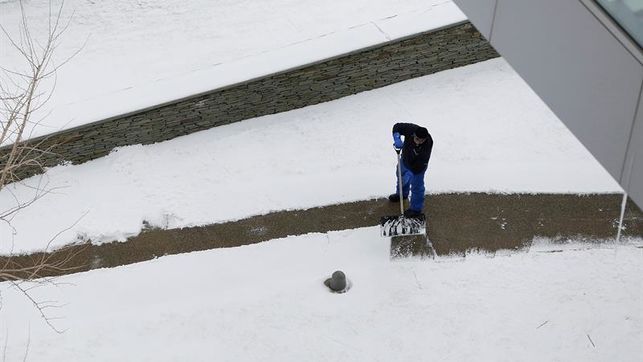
[23, 93]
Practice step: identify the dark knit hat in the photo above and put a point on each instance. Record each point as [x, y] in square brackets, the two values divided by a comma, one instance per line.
[422, 133]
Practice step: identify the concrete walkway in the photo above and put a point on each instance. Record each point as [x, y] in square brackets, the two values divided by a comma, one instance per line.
[458, 223]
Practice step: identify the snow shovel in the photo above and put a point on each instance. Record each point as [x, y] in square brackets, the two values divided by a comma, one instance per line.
[397, 225]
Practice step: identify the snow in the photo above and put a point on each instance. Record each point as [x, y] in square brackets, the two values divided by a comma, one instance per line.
[136, 54]
[267, 302]
[491, 133]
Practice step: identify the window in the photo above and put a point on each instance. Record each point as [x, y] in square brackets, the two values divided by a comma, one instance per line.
[628, 14]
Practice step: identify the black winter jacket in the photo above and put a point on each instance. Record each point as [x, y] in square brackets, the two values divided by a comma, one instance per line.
[415, 157]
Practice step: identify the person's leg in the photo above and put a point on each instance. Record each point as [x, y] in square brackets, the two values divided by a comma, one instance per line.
[407, 175]
[417, 192]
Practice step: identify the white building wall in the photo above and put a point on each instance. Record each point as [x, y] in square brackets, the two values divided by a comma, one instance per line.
[583, 71]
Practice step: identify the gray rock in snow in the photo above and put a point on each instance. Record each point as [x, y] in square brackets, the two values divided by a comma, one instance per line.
[337, 282]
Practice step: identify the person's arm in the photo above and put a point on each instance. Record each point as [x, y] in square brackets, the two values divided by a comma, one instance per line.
[426, 155]
[397, 142]
[405, 129]
[402, 129]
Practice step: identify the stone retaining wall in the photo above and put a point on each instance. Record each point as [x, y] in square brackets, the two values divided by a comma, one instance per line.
[362, 70]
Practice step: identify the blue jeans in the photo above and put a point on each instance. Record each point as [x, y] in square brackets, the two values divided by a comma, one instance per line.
[413, 182]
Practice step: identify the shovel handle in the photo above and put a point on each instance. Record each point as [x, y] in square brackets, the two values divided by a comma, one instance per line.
[399, 180]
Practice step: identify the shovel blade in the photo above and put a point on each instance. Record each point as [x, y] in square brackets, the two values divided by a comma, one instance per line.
[400, 225]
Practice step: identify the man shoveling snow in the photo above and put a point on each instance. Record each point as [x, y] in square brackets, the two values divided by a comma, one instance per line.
[412, 160]
[416, 151]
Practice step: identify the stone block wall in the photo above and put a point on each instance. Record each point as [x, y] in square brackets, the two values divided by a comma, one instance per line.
[363, 70]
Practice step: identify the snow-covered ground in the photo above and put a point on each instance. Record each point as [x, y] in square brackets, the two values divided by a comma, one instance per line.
[136, 54]
[491, 132]
[266, 302]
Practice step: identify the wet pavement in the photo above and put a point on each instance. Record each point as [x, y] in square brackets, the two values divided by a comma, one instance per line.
[458, 223]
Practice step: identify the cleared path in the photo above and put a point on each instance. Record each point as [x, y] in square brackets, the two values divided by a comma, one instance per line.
[458, 223]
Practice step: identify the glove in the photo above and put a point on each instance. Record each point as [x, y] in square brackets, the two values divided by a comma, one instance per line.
[397, 141]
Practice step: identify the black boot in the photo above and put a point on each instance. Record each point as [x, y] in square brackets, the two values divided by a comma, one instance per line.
[395, 197]
[412, 213]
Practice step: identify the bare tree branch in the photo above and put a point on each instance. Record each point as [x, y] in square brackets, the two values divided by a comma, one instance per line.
[22, 96]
